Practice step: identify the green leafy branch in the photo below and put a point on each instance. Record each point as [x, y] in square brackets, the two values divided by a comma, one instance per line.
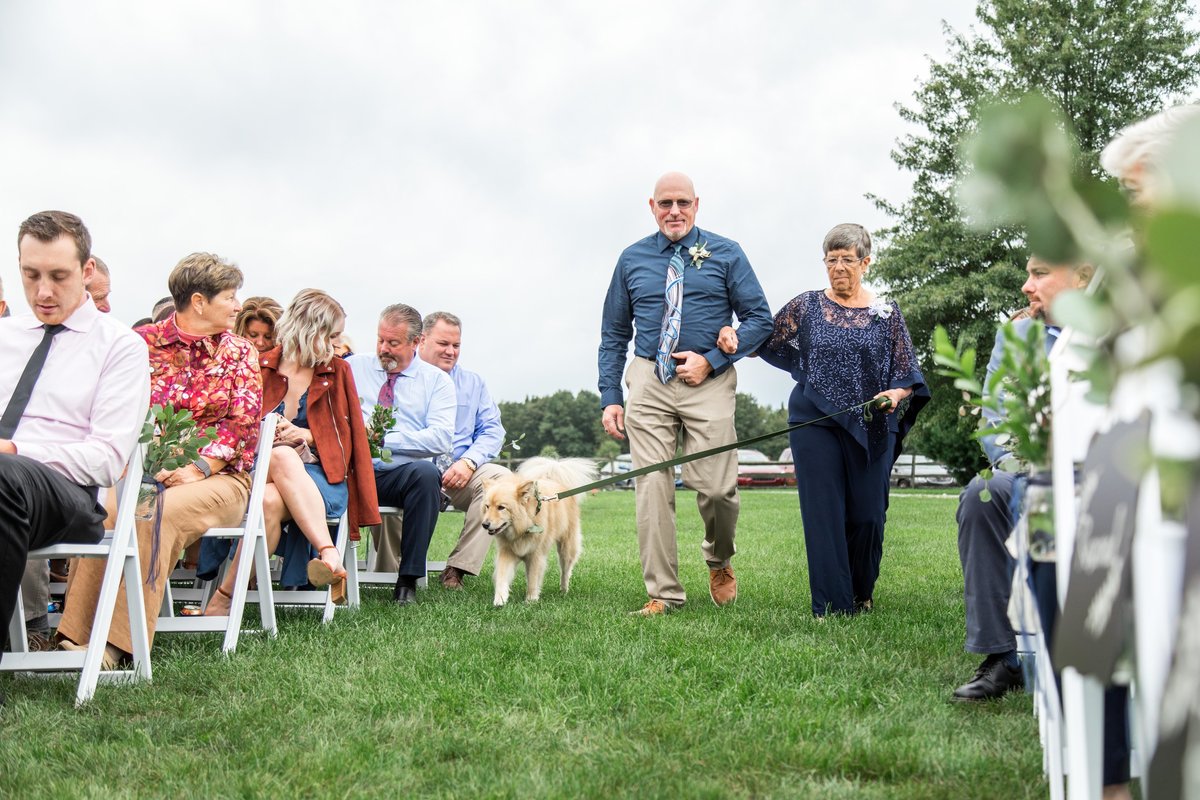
[1016, 395]
[382, 420]
[172, 439]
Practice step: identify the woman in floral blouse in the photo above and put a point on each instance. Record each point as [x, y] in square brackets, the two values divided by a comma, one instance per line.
[844, 346]
[198, 364]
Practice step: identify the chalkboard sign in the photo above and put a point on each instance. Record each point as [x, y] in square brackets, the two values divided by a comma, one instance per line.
[1098, 609]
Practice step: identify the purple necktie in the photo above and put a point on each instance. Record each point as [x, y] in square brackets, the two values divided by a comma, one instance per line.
[387, 392]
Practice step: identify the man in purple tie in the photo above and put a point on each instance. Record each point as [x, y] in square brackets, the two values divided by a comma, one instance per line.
[672, 292]
[422, 399]
[74, 389]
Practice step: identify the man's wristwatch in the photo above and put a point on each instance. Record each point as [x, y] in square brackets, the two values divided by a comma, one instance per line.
[203, 466]
[470, 463]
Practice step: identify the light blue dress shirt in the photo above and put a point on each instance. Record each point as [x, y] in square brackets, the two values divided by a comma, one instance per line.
[478, 433]
[425, 408]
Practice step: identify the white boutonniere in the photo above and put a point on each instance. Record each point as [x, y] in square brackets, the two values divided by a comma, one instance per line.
[698, 254]
[880, 308]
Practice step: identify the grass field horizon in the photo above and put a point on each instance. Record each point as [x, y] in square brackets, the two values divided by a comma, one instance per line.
[569, 697]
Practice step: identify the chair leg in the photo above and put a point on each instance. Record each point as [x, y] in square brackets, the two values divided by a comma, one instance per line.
[136, 604]
[266, 593]
[351, 563]
[17, 639]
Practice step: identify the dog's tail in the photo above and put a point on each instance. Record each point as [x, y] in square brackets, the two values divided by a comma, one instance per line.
[568, 472]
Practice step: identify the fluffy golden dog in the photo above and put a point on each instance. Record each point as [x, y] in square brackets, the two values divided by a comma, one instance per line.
[526, 525]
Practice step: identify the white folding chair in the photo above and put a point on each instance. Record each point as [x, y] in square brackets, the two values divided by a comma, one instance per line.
[365, 571]
[121, 551]
[252, 532]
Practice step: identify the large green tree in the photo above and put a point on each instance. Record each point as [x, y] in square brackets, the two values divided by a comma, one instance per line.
[1105, 64]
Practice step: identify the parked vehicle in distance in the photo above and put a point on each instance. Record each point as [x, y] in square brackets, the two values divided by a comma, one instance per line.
[624, 463]
[755, 469]
[914, 469]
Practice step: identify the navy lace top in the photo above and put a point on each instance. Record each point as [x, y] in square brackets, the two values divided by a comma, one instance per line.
[840, 357]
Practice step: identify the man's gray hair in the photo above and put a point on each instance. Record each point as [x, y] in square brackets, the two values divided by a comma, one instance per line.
[441, 316]
[848, 236]
[101, 267]
[1143, 142]
[401, 314]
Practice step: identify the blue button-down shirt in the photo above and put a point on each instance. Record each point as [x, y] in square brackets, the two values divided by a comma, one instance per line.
[478, 434]
[723, 285]
[424, 407]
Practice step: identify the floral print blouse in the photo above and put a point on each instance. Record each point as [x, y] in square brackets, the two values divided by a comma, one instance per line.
[217, 378]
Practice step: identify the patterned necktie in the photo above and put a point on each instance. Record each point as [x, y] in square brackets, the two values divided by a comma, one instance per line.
[664, 365]
[20, 396]
[387, 392]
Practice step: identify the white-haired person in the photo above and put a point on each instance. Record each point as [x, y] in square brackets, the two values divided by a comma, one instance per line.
[321, 463]
[1134, 156]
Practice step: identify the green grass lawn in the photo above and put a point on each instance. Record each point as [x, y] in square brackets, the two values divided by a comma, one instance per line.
[569, 697]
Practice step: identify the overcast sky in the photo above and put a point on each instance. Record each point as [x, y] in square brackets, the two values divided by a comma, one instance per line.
[490, 159]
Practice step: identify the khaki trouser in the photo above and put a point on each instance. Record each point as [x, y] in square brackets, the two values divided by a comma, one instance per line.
[35, 589]
[474, 542]
[654, 415]
[188, 511]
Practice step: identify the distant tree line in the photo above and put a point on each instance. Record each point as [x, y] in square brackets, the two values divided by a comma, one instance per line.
[568, 425]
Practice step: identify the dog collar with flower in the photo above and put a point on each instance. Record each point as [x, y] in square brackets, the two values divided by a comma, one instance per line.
[699, 252]
[537, 495]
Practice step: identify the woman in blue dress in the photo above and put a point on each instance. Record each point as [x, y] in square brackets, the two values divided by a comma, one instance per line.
[844, 346]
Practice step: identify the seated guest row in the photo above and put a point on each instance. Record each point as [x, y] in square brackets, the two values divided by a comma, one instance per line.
[71, 444]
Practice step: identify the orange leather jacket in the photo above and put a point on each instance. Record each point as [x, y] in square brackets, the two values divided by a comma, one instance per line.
[336, 422]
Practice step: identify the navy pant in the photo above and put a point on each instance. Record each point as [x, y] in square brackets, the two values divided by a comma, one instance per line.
[983, 528]
[39, 507]
[843, 505]
[415, 487]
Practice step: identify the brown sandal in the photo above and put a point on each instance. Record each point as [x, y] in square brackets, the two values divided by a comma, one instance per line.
[320, 575]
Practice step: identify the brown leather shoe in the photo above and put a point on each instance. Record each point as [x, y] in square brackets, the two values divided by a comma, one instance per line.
[452, 577]
[722, 586]
[39, 642]
[653, 608]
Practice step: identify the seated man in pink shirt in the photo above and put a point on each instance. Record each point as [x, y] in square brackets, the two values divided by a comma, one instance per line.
[74, 390]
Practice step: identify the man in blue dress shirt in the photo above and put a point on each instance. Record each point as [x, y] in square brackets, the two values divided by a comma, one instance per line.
[478, 437]
[679, 380]
[422, 398]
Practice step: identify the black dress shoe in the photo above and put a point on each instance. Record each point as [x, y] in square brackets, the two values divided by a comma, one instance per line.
[994, 678]
[405, 595]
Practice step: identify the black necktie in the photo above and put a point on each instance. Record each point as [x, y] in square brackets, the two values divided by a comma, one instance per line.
[20, 396]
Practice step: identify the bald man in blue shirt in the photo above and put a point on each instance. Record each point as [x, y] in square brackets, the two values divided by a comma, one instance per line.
[671, 293]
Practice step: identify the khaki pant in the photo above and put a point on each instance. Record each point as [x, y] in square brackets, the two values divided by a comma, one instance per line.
[188, 511]
[654, 416]
[474, 542]
[35, 589]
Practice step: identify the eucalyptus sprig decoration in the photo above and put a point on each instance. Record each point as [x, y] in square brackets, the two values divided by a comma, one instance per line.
[1016, 397]
[382, 420]
[172, 439]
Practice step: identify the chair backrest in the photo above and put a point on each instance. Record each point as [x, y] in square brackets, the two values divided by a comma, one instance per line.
[262, 463]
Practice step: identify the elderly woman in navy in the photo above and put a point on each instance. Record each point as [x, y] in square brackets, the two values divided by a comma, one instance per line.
[843, 346]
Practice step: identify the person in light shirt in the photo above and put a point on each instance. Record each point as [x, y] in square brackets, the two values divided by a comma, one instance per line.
[74, 389]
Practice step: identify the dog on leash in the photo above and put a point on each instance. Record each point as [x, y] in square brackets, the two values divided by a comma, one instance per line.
[526, 525]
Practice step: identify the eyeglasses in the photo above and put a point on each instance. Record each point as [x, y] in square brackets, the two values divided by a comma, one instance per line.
[845, 261]
[665, 205]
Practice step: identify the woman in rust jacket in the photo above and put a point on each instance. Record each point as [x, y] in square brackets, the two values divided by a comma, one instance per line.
[321, 462]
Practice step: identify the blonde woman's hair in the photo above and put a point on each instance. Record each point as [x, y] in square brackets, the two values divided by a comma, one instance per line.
[306, 326]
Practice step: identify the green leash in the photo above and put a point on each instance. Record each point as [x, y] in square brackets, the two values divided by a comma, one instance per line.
[874, 402]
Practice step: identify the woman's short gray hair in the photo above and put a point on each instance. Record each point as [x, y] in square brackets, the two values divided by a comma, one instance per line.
[307, 326]
[401, 314]
[848, 236]
[202, 273]
[1143, 142]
